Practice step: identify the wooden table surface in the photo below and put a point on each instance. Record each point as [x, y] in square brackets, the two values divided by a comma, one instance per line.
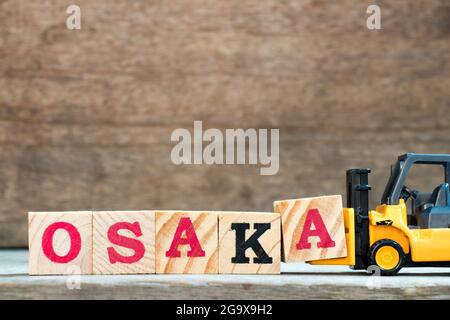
[297, 281]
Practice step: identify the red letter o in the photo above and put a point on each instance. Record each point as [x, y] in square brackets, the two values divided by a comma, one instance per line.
[47, 242]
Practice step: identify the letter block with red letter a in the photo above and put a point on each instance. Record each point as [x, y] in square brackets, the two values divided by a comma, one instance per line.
[313, 228]
[60, 242]
[124, 242]
[186, 242]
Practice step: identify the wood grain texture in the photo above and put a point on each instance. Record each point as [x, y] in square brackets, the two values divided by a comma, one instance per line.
[270, 242]
[103, 221]
[294, 214]
[39, 263]
[204, 225]
[86, 116]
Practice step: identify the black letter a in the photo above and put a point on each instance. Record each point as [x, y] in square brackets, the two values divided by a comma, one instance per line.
[252, 242]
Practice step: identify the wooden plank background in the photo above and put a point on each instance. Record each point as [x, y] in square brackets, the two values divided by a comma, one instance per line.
[86, 116]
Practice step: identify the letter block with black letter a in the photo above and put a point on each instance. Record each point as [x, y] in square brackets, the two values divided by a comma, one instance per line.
[186, 242]
[313, 228]
[124, 242]
[249, 243]
[60, 243]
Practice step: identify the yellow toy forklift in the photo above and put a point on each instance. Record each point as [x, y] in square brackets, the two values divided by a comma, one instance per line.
[391, 236]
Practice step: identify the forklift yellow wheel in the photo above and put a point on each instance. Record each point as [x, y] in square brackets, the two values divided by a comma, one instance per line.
[387, 258]
[387, 255]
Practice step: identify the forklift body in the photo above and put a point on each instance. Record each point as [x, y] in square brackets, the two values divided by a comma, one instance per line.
[390, 237]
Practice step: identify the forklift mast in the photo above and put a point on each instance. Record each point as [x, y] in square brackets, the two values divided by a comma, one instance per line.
[358, 199]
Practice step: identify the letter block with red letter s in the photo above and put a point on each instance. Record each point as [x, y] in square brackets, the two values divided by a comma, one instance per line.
[186, 242]
[313, 228]
[60, 242]
[124, 242]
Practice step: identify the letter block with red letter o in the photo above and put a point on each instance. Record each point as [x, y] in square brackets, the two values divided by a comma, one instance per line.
[124, 242]
[60, 243]
[312, 228]
[186, 242]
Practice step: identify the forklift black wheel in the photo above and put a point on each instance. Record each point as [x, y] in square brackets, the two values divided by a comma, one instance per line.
[388, 255]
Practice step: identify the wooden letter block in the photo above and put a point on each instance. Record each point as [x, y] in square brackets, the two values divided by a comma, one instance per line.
[186, 242]
[313, 228]
[249, 242]
[60, 243]
[124, 242]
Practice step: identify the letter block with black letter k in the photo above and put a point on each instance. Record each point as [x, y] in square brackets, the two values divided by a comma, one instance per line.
[313, 228]
[60, 243]
[124, 242]
[186, 242]
[249, 243]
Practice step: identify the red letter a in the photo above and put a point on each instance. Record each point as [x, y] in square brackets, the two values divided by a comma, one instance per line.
[134, 244]
[185, 225]
[313, 217]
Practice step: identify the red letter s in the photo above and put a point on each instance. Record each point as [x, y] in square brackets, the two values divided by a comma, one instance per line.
[136, 245]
